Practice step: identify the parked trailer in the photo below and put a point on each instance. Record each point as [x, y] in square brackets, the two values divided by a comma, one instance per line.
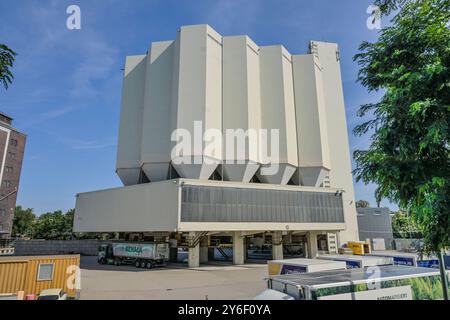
[30, 275]
[353, 261]
[388, 283]
[142, 255]
[300, 265]
[410, 259]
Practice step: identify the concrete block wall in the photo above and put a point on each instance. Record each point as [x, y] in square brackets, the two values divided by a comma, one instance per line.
[55, 247]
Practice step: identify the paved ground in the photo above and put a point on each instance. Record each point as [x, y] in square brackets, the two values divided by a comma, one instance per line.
[173, 282]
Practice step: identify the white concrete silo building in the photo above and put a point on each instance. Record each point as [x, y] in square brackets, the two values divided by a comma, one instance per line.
[203, 194]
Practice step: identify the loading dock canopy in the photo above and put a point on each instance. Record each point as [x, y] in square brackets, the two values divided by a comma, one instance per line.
[193, 205]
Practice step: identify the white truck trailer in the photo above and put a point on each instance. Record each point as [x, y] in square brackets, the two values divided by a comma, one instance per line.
[409, 259]
[354, 261]
[142, 255]
[385, 283]
[301, 265]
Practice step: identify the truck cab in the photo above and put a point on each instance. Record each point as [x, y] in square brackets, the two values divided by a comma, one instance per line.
[104, 253]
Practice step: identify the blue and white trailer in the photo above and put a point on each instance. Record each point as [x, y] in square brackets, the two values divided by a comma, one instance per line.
[410, 259]
[356, 261]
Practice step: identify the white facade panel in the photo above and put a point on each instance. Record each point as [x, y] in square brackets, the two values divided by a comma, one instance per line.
[139, 208]
[278, 110]
[341, 170]
[157, 122]
[130, 128]
[199, 96]
[312, 135]
[241, 107]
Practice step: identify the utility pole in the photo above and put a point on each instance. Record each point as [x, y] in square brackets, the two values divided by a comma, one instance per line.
[444, 280]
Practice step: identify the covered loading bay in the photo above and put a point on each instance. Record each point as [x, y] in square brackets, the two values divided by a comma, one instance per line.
[198, 210]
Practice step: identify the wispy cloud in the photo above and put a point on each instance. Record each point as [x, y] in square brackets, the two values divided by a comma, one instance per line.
[82, 144]
[97, 63]
[47, 115]
[59, 64]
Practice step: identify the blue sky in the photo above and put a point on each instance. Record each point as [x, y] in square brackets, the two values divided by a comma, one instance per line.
[66, 92]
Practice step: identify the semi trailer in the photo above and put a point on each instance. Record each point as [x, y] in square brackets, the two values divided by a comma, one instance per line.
[409, 259]
[391, 282]
[355, 261]
[302, 265]
[141, 255]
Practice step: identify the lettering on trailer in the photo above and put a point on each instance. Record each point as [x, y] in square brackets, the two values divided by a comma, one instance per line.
[289, 269]
[135, 251]
[131, 249]
[404, 261]
[353, 264]
[433, 263]
[393, 293]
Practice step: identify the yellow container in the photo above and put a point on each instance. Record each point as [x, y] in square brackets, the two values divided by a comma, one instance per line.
[359, 247]
[32, 274]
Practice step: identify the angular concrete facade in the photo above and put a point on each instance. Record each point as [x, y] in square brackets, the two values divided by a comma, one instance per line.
[130, 128]
[278, 111]
[341, 176]
[312, 132]
[294, 104]
[241, 105]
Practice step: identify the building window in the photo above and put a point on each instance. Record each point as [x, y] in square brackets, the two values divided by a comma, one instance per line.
[11, 155]
[6, 183]
[2, 212]
[9, 169]
[13, 142]
[45, 271]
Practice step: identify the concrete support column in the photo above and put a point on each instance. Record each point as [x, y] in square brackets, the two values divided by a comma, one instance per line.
[194, 253]
[238, 248]
[277, 245]
[312, 244]
[204, 245]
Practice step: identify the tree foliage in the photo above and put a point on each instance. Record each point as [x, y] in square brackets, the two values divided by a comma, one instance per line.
[54, 226]
[362, 204]
[49, 226]
[409, 153]
[7, 57]
[387, 6]
[404, 226]
[23, 222]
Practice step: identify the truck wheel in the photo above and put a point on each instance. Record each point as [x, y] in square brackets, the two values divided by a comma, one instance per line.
[137, 264]
[142, 264]
[149, 265]
[116, 262]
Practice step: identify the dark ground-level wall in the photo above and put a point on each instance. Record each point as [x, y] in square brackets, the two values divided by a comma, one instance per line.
[56, 247]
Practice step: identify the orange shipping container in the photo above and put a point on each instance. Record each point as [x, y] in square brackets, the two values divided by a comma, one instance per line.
[32, 274]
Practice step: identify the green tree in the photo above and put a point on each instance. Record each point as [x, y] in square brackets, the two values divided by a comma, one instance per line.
[7, 58]
[54, 226]
[404, 226]
[362, 204]
[409, 153]
[23, 223]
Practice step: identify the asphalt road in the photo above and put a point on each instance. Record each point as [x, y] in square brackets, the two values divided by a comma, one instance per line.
[172, 282]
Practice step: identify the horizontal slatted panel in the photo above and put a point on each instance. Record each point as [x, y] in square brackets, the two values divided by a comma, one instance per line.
[216, 204]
